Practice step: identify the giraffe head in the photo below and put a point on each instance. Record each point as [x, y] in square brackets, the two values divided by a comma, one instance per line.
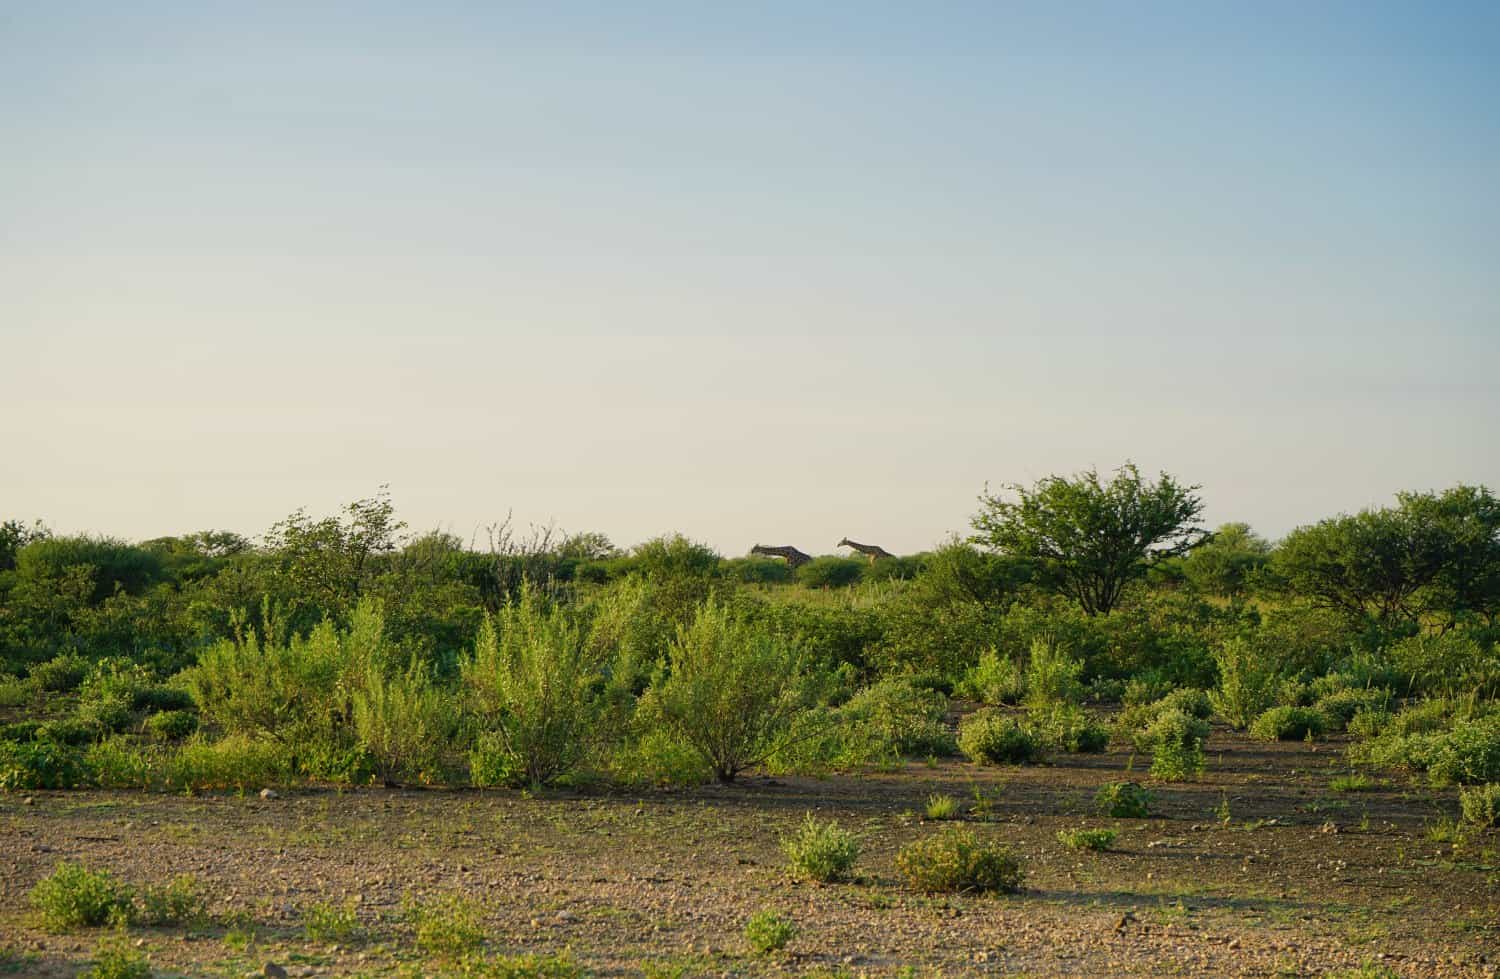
[844, 543]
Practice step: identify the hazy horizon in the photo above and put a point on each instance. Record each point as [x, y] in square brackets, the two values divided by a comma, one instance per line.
[776, 275]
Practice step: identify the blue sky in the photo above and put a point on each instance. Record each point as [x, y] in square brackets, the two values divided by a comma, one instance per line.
[755, 274]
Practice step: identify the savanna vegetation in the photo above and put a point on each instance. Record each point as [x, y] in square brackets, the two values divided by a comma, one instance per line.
[1085, 615]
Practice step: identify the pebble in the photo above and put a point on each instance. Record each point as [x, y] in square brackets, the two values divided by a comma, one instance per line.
[270, 794]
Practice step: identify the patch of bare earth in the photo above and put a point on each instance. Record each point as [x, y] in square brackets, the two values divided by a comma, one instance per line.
[1299, 881]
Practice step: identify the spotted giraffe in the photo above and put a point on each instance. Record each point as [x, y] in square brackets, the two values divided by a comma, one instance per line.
[873, 551]
[794, 558]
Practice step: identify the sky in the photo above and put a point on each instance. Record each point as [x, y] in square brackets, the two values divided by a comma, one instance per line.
[768, 273]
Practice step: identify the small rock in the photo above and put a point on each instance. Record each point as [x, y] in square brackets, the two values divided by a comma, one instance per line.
[270, 794]
[566, 916]
[27, 801]
[273, 971]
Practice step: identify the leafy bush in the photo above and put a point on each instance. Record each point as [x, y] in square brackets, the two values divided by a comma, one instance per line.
[730, 691]
[118, 764]
[236, 762]
[830, 572]
[1068, 727]
[767, 932]
[61, 674]
[821, 851]
[448, 927]
[324, 921]
[19, 730]
[1097, 840]
[1288, 724]
[990, 738]
[67, 731]
[1481, 804]
[40, 765]
[1124, 800]
[528, 966]
[1370, 723]
[159, 698]
[531, 672]
[73, 896]
[941, 807]
[1248, 679]
[1175, 740]
[1052, 676]
[172, 725]
[1340, 706]
[900, 717]
[954, 860]
[403, 723]
[1468, 754]
[15, 692]
[995, 679]
[176, 902]
[112, 960]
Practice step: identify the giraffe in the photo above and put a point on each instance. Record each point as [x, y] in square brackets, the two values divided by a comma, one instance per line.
[873, 551]
[794, 558]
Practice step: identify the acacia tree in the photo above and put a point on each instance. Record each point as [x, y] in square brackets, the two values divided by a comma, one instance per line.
[1090, 538]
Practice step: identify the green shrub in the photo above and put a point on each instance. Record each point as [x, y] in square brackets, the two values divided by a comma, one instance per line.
[236, 762]
[67, 731]
[61, 674]
[954, 860]
[896, 717]
[1481, 804]
[1145, 689]
[730, 691]
[533, 674]
[1097, 840]
[40, 765]
[941, 807]
[449, 927]
[403, 723]
[158, 698]
[821, 851]
[172, 725]
[73, 896]
[1288, 724]
[528, 966]
[1189, 700]
[1370, 723]
[1340, 706]
[995, 679]
[118, 764]
[1468, 754]
[1052, 676]
[174, 903]
[112, 960]
[1068, 727]
[19, 731]
[990, 738]
[1124, 800]
[1356, 782]
[324, 921]
[768, 932]
[1175, 740]
[15, 692]
[830, 572]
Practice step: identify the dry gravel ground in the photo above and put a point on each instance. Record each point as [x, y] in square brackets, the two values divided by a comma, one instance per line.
[1301, 881]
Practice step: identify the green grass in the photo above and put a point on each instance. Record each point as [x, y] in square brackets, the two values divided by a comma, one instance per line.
[820, 851]
[1097, 840]
[941, 807]
[73, 896]
[768, 932]
[1356, 782]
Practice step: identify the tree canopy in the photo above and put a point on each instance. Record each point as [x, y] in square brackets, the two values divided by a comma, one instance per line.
[1091, 538]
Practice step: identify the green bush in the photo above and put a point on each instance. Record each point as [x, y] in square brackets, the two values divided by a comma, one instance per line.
[40, 765]
[533, 675]
[730, 691]
[73, 896]
[901, 717]
[990, 738]
[172, 725]
[15, 692]
[1248, 680]
[324, 921]
[1175, 740]
[1124, 800]
[112, 960]
[176, 902]
[1481, 804]
[20, 731]
[767, 932]
[1339, 707]
[236, 762]
[61, 674]
[995, 679]
[1068, 727]
[954, 860]
[1468, 754]
[1288, 724]
[1053, 675]
[403, 723]
[941, 807]
[1370, 723]
[1097, 840]
[448, 927]
[821, 851]
[159, 698]
[830, 572]
[118, 764]
[67, 731]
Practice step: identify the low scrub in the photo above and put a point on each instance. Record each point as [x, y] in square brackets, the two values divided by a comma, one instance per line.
[1097, 840]
[324, 921]
[956, 861]
[1175, 740]
[990, 738]
[768, 932]
[942, 807]
[1481, 805]
[1341, 706]
[176, 902]
[1287, 723]
[1124, 800]
[996, 679]
[1069, 728]
[73, 896]
[237, 762]
[113, 960]
[40, 765]
[821, 851]
[449, 927]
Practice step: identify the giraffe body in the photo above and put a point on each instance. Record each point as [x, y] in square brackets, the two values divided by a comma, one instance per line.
[873, 551]
[793, 557]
